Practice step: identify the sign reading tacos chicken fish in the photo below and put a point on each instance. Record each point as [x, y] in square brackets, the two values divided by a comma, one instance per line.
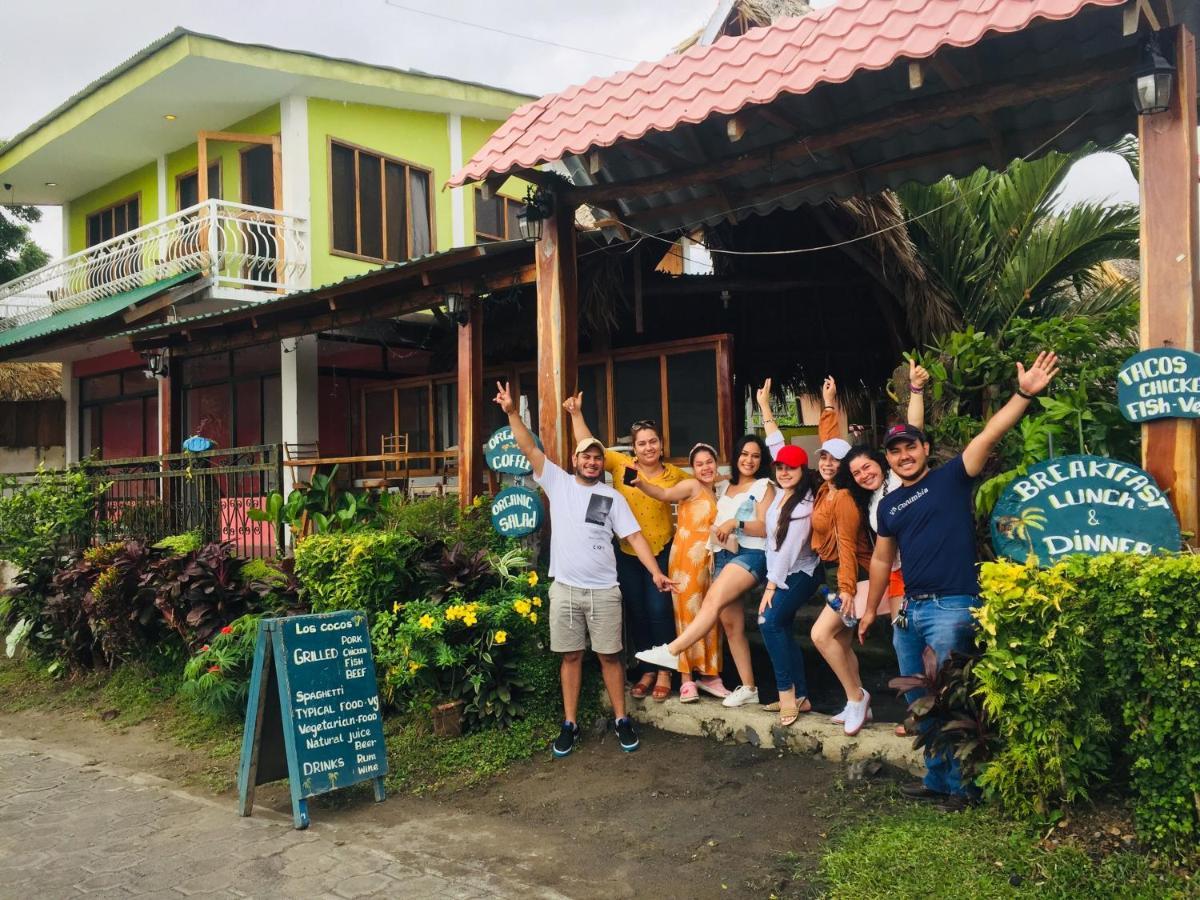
[1082, 505]
[1160, 384]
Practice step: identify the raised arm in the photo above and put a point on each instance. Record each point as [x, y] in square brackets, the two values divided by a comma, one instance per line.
[1030, 383]
[881, 572]
[763, 396]
[685, 490]
[827, 424]
[918, 377]
[574, 407]
[521, 434]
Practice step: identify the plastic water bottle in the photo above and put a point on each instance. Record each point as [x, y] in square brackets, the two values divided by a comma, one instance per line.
[834, 602]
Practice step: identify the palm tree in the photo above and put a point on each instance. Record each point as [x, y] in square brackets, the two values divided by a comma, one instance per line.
[999, 245]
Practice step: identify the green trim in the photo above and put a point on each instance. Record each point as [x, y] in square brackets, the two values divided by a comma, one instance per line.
[88, 313]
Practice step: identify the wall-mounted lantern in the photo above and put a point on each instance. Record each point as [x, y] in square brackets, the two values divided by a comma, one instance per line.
[1153, 79]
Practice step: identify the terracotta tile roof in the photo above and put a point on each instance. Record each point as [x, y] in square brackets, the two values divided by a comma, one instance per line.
[790, 56]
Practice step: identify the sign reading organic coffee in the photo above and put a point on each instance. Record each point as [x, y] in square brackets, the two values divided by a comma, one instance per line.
[312, 714]
[516, 512]
[503, 455]
[1160, 384]
[1082, 504]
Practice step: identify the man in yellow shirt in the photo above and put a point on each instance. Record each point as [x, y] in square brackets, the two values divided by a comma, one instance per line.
[649, 612]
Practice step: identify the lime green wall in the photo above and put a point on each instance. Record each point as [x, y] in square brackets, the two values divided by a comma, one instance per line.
[475, 133]
[144, 182]
[264, 122]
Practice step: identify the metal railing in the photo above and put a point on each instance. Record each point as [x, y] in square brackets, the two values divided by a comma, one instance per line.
[150, 497]
[242, 248]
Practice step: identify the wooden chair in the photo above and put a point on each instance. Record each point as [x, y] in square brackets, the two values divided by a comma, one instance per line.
[303, 451]
[394, 472]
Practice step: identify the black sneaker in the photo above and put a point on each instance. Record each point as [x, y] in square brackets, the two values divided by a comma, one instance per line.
[565, 742]
[626, 735]
[916, 790]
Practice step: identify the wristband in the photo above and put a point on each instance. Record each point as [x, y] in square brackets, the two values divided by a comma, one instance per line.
[1021, 393]
[768, 421]
[915, 390]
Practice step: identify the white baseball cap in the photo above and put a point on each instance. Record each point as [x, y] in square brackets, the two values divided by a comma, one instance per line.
[836, 447]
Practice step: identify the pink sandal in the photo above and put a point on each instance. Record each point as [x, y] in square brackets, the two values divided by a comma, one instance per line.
[712, 684]
[688, 692]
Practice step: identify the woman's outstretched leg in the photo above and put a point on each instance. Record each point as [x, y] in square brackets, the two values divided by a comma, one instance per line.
[729, 586]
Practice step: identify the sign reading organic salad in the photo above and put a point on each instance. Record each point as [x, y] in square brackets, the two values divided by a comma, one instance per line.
[1160, 384]
[516, 512]
[503, 455]
[1082, 505]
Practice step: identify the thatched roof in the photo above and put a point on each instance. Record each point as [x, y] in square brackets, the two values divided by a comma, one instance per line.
[30, 381]
[742, 15]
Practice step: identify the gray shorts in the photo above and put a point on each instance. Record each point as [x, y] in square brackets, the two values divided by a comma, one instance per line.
[582, 615]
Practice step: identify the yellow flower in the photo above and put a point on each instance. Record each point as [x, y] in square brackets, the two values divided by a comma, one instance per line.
[501, 637]
[533, 618]
[533, 579]
[478, 501]
[426, 621]
[395, 607]
[537, 601]
[522, 607]
[469, 619]
[414, 666]
[454, 612]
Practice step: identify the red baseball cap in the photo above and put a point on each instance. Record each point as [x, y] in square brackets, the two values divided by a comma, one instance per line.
[791, 456]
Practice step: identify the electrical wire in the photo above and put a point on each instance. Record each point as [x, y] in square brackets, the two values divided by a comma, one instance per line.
[511, 34]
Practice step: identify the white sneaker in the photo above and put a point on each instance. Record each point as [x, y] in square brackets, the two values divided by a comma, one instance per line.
[840, 718]
[740, 696]
[857, 712]
[659, 656]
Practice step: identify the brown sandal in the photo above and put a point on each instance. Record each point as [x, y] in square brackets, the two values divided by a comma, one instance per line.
[642, 688]
[661, 692]
[789, 714]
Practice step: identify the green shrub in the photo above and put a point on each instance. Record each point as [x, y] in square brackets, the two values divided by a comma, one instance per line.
[48, 516]
[180, 544]
[437, 522]
[217, 678]
[1088, 657]
[367, 570]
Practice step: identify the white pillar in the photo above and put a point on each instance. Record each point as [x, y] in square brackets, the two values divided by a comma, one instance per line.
[299, 384]
[458, 196]
[161, 171]
[70, 392]
[66, 229]
[297, 183]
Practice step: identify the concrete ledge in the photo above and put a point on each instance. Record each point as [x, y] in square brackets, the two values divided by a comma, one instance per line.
[812, 733]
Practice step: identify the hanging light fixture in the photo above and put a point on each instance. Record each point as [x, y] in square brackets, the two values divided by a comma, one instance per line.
[1153, 79]
[539, 204]
[154, 364]
[456, 307]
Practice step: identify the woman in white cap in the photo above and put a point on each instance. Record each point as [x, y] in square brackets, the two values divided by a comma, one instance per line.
[840, 539]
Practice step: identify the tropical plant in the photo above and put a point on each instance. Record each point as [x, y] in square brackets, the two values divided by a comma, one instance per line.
[459, 572]
[367, 570]
[217, 678]
[199, 592]
[47, 516]
[318, 508]
[1002, 247]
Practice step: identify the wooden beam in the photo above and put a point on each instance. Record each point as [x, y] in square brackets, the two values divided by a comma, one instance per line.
[692, 285]
[471, 398]
[239, 137]
[924, 112]
[955, 80]
[168, 297]
[557, 328]
[1170, 228]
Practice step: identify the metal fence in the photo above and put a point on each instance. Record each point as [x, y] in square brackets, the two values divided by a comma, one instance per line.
[151, 497]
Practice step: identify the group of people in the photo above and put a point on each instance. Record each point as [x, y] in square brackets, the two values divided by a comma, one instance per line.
[674, 580]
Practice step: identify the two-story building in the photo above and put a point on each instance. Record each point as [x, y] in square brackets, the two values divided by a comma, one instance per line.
[204, 175]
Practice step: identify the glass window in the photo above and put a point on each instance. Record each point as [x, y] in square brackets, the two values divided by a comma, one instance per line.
[206, 413]
[150, 436]
[378, 419]
[381, 206]
[198, 369]
[248, 424]
[446, 416]
[418, 192]
[99, 387]
[396, 202]
[488, 218]
[345, 211]
[122, 430]
[135, 382]
[188, 186]
[260, 358]
[370, 205]
[637, 394]
[594, 384]
[692, 401]
[272, 410]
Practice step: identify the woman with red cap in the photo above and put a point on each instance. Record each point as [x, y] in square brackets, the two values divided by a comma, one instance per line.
[793, 573]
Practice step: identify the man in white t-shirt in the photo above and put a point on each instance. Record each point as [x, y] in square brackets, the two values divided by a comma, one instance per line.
[585, 601]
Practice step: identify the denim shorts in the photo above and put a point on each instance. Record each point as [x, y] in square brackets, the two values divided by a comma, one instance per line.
[753, 561]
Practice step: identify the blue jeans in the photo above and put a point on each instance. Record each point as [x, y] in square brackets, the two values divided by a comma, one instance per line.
[649, 612]
[944, 624]
[753, 561]
[777, 625]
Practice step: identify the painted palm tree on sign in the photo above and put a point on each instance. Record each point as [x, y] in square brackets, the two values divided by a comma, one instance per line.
[1002, 246]
[1031, 519]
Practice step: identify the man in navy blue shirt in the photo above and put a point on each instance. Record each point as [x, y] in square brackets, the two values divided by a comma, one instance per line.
[928, 520]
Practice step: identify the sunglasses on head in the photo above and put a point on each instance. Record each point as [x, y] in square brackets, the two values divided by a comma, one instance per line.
[643, 423]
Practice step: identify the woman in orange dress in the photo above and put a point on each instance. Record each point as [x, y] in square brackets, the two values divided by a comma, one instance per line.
[690, 565]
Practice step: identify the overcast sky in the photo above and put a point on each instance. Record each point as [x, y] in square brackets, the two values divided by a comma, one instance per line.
[53, 48]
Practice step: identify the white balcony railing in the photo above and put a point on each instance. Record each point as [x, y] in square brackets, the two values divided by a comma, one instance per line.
[246, 250]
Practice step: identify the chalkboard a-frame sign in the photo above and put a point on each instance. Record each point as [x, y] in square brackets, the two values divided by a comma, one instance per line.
[312, 713]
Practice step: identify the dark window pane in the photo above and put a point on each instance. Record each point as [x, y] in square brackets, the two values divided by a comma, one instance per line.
[261, 358]
[93, 231]
[487, 217]
[378, 419]
[131, 216]
[119, 224]
[692, 400]
[513, 227]
[258, 177]
[106, 225]
[396, 198]
[212, 367]
[414, 417]
[248, 425]
[99, 387]
[418, 190]
[150, 429]
[272, 410]
[370, 205]
[135, 382]
[89, 431]
[445, 416]
[189, 191]
[637, 394]
[122, 429]
[207, 413]
[595, 401]
[342, 186]
[214, 181]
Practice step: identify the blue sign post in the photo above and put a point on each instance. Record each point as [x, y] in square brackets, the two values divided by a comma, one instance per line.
[1082, 505]
[502, 454]
[326, 731]
[516, 512]
[1160, 384]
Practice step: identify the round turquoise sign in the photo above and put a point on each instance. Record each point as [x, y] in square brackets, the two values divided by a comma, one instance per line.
[503, 455]
[1082, 505]
[516, 512]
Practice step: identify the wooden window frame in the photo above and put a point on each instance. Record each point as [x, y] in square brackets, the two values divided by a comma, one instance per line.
[147, 397]
[87, 219]
[384, 158]
[196, 171]
[482, 236]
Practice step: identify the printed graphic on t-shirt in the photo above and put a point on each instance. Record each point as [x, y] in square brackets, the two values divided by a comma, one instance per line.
[598, 509]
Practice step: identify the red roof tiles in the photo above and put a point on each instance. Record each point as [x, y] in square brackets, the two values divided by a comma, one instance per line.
[790, 56]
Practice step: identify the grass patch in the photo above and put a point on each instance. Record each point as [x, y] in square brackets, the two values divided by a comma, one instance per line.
[920, 852]
[419, 762]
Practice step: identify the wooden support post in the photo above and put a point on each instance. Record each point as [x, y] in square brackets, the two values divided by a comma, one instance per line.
[1169, 231]
[557, 328]
[470, 405]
